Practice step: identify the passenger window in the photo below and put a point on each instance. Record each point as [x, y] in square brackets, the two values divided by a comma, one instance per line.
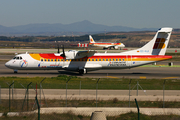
[51, 60]
[119, 59]
[42, 60]
[48, 60]
[99, 59]
[106, 59]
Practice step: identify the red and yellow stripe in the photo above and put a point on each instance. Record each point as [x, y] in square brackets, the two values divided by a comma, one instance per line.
[105, 43]
[103, 58]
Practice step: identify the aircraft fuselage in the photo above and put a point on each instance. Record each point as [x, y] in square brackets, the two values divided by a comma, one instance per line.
[98, 61]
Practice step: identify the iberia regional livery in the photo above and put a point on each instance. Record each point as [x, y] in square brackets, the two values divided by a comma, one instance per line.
[105, 45]
[85, 61]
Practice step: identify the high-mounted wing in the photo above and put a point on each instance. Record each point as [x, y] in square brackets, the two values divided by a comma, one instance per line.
[73, 54]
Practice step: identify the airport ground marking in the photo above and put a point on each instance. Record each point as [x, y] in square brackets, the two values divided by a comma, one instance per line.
[142, 77]
[170, 77]
[159, 66]
[111, 77]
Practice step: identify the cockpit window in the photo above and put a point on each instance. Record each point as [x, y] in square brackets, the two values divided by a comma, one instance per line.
[18, 58]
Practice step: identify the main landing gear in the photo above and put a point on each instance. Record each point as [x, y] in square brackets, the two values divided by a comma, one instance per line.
[82, 71]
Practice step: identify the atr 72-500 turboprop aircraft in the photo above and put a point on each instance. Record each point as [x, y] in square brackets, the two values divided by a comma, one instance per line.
[85, 61]
[105, 45]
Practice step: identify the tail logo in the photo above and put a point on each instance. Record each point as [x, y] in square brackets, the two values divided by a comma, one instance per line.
[91, 40]
[159, 44]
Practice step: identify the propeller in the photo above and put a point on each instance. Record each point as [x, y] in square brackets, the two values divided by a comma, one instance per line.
[58, 48]
[63, 54]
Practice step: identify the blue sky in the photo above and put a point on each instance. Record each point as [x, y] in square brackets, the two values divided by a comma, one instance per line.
[130, 13]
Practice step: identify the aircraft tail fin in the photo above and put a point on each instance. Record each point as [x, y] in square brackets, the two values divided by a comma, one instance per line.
[91, 39]
[157, 46]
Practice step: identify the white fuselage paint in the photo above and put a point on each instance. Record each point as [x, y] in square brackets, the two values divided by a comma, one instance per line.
[28, 63]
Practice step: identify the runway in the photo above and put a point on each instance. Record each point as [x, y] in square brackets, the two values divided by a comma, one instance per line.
[138, 72]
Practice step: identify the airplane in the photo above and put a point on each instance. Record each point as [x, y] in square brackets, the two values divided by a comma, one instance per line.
[90, 60]
[105, 45]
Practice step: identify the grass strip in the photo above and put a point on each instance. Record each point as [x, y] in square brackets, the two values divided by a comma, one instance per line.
[90, 83]
[70, 116]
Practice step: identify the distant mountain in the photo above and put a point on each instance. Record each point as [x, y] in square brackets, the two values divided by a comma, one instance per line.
[78, 28]
[6, 29]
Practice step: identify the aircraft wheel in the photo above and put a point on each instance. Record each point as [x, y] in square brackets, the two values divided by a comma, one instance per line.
[81, 71]
[15, 71]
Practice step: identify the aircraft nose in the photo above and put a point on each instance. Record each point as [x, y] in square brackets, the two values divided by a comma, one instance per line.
[7, 64]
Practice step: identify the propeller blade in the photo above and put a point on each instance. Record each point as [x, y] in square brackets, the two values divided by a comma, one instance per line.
[58, 49]
[63, 55]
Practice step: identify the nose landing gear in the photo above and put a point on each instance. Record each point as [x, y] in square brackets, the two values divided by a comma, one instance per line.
[15, 71]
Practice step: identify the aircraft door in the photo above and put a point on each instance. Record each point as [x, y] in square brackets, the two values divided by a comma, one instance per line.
[129, 60]
[58, 62]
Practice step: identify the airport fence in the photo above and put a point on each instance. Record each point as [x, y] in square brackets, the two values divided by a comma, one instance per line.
[74, 101]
